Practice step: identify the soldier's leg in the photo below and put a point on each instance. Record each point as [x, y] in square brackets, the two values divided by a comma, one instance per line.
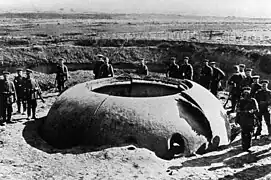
[9, 112]
[246, 138]
[233, 102]
[19, 101]
[267, 121]
[24, 106]
[259, 124]
[34, 106]
[29, 108]
[4, 112]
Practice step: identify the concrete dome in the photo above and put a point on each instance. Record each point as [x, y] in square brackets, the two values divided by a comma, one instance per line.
[149, 113]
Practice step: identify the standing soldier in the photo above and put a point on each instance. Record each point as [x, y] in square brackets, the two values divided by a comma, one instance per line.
[98, 65]
[173, 70]
[33, 92]
[255, 86]
[242, 70]
[106, 69]
[218, 75]
[246, 116]
[186, 70]
[8, 93]
[235, 88]
[263, 97]
[206, 75]
[247, 81]
[142, 69]
[19, 82]
[62, 75]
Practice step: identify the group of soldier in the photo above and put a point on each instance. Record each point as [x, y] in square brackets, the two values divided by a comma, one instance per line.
[210, 75]
[250, 99]
[24, 91]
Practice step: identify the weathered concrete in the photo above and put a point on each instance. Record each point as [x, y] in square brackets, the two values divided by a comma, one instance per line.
[115, 111]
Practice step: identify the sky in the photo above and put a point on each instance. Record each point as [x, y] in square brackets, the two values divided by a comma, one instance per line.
[241, 8]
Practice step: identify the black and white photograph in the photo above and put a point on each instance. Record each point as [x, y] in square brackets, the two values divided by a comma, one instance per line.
[135, 90]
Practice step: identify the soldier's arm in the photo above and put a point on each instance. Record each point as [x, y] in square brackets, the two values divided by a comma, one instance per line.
[111, 71]
[13, 91]
[146, 71]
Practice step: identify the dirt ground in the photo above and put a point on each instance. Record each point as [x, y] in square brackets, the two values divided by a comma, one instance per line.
[24, 155]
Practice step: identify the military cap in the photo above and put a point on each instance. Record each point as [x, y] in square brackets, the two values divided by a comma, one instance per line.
[242, 65]
[100, 55]
[213, 62]
[172, 58]
[235, 67]
[29, 71]
[206, 60]
[265, 81]
[256, 77]
[186, 57]
[248, 69]
[247, 88]
[19, 69]
[6, 72]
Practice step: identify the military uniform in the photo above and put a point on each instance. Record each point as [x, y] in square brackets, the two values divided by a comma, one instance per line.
[8, 97]
[19, 82]
[255, 86]
[142, 69]
[206, 76]
[61, 76]
[173, 71]
[218, 75]
[263, 98]
[245, 117]
[106, 70]
[186, 71]
[97, 68]
[235, 92]
[33, 92]
[247, 81]
[242, 70]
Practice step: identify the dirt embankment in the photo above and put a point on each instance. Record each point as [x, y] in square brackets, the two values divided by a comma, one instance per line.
[125, 54]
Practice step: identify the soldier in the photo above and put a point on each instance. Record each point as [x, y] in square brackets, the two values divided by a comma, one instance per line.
[62, 75]
[8, 93]
[143, 69]
[98, 65]
[247, 81]
[255, 86]
[206, 75]
[218, 75]
[186, 70]
[263, 97]
[106, 69]
[242, 70]
[173, 69]
[33, 92]
[245, 117]
[19, 82]
[235, 88]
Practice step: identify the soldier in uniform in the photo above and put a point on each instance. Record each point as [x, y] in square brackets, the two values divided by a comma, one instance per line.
[106, 69]
[62, 75]
[19, 82]
[33, 92]
[218, 75]
[242, 69]
[245, 117]
[98, 65]
[255, 86]
[247, 81]
[142, 69]
[173, 71]
[8, 93]
[186, 70]
[263, 97]
[206, 75]
[235, 87]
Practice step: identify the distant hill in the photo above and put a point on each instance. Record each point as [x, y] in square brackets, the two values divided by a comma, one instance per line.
[55, 15]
